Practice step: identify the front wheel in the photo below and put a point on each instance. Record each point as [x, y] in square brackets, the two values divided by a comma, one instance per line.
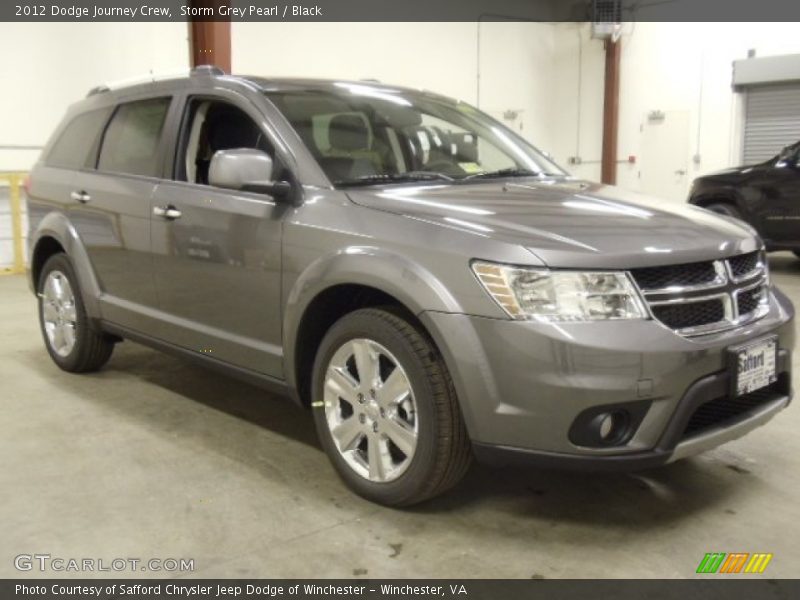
[386, 410]
[723, 208]
[68, 336]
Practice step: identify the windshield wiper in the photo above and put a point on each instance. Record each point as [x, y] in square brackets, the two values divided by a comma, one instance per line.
[508, 172]
[379, 178]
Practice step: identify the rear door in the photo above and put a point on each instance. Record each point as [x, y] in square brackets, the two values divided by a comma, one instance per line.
[74, 149]
[112, 210]
[217, 252]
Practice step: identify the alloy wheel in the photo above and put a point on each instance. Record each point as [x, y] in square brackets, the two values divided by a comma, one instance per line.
[370, 410]
[59, 313]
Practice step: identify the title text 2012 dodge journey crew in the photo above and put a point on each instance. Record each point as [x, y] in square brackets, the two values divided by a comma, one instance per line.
[428, 283]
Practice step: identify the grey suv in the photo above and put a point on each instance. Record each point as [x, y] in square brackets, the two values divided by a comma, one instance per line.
[430, 285]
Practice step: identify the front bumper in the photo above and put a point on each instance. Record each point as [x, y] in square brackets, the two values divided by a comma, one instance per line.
[522, 385]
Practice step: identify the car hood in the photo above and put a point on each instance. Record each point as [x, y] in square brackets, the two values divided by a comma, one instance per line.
[570, 223]
[729, 174]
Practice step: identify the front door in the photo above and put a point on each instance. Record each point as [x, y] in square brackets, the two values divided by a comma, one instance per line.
[218, 252]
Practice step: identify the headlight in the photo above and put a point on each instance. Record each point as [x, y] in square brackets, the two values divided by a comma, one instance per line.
[547, 295]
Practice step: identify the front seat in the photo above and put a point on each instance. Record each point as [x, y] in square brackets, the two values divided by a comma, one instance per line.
[348, 136]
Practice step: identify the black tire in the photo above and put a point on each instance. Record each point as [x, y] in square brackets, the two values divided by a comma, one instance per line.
[726, 209]
[92, 348]
[443, 452]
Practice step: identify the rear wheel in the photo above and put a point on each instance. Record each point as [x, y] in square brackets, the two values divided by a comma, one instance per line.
[386, 410]
[725, 209]
[70, 340]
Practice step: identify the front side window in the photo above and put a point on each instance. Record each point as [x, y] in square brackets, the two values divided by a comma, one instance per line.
[76, 147]
[130, 143]
[212, 126]
[362, 134]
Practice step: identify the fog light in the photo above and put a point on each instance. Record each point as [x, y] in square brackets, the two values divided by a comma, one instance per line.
[611, 427]
[606, 426]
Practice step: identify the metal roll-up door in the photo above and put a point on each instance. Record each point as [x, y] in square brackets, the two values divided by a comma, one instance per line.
[772, 120]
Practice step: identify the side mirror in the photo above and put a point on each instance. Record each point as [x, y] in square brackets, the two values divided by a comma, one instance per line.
[247, 170]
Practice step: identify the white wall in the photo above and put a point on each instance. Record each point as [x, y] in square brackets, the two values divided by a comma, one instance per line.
[516, 69]
[517, 72]
[663, 67]
[47, 66]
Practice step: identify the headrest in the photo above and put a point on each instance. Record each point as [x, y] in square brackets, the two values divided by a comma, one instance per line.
[466, 146]
[348, 133]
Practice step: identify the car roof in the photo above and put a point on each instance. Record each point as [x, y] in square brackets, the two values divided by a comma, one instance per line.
[266, 84]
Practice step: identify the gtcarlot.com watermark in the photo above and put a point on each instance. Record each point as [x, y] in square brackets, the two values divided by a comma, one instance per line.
[44, 563]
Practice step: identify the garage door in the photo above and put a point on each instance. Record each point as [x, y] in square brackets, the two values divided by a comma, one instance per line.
[772, 121]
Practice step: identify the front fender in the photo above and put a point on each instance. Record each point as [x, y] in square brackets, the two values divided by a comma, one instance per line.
[55, 225]
[411, 284]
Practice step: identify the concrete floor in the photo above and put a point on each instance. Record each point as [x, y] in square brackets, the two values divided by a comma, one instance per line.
[153, 457]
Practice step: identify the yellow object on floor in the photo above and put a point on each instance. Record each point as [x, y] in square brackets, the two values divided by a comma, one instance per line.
[14, 182]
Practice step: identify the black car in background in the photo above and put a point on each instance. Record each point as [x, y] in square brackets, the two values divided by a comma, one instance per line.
[767, 196]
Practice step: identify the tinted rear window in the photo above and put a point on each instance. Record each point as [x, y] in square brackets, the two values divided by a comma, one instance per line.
[76, 147]
[131, 140]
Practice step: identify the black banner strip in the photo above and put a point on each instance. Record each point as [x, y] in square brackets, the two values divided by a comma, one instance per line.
[392, 10]
[712, 588]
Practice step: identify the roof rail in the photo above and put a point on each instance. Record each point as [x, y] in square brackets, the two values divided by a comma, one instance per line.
[99, 89]
[149, 77]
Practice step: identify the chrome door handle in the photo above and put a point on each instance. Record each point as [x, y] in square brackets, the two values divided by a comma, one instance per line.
[680, 172]
[81, 197]
[168, 212]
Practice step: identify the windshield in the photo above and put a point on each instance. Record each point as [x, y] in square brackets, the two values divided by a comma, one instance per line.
[789, 153]
[366, 135]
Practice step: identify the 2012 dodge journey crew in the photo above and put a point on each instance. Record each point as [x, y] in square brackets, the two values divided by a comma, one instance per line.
[430, 285]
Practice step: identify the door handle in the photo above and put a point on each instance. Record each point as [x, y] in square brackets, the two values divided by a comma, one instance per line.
[81, 197]
[680, 172]
[168, 212]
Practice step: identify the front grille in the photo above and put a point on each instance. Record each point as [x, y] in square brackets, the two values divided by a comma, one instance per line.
[728, 409]
[705, 297]
[695, 314]
[689, 274]
[749, 300]
[744, 264]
